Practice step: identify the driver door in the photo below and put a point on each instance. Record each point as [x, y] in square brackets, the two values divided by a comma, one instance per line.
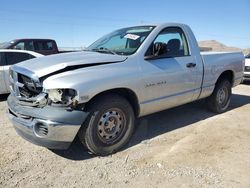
[169, 72]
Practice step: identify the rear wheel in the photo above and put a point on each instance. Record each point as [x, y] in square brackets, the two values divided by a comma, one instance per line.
[109, 125]
[219, 101]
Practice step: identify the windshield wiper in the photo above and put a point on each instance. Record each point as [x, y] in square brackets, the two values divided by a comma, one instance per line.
[104, 50]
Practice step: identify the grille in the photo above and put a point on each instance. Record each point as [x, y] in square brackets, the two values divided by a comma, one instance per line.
[24, 86]
[11, 73]
[20, 115]
[41, 129]
[12, 86]
[30, 88]
[247, 68]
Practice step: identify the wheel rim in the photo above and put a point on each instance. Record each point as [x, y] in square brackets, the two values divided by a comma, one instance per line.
[111, 126]
[222, 96]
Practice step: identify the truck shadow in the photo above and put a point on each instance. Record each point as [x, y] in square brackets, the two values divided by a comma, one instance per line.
[75, 152]
[172, 119]
[159, 123]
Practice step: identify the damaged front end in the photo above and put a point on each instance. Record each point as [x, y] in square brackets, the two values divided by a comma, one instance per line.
[45, 117]
[27, 88]
[62, 97]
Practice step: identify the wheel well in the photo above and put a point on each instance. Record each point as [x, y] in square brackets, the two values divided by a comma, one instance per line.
[124, 92]
[227, 75]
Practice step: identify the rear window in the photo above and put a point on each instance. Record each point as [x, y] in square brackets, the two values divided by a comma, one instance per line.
[43, 45]
[248, 56]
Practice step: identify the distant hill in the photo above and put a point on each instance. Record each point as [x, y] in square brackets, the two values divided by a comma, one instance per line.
[213, 45]
[246, 51]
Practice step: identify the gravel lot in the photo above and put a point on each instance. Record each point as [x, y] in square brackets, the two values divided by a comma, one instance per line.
[182, 147]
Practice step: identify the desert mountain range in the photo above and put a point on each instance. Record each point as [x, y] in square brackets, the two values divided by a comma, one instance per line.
[213, 45]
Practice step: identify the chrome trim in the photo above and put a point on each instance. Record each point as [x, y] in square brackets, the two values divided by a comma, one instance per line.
[14, 84]
[39, 100]
[21, 116]
[26, 72]
[57, 131]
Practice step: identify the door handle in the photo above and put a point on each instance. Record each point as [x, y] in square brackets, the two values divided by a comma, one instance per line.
[190, 65]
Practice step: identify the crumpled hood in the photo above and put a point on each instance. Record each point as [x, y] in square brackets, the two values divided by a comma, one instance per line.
[45, 65]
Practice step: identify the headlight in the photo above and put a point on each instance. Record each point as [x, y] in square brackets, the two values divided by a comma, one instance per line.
[63, 97]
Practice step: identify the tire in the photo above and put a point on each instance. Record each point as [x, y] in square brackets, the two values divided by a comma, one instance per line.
[109, 125]
[220, 99]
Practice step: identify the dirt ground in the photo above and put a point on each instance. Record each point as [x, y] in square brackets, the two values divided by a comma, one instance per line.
[182, 147]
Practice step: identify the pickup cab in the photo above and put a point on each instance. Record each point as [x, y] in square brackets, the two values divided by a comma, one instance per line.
[42, 46]
[96, 94]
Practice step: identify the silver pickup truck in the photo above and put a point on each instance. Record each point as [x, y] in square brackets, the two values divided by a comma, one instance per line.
[132, 72]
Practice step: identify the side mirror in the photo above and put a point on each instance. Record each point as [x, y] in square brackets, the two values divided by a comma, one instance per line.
[158, 49]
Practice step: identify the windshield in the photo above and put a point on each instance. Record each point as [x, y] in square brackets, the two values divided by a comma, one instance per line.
[248, 56]
[5, 45]
[123, 41]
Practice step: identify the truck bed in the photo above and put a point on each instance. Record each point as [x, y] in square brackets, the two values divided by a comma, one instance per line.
[217, 62]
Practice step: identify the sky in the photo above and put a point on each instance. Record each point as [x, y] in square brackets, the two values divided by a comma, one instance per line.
[79, 23]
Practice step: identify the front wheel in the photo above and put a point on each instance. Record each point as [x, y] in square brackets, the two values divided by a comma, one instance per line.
[109, 125]
[219, 101]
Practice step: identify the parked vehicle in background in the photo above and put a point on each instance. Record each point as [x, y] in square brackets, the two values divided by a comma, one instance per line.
[8, 58]
[247, 68]
[42, 46]
[131, 72]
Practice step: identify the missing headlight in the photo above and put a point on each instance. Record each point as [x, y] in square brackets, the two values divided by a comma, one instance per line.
[61, 96]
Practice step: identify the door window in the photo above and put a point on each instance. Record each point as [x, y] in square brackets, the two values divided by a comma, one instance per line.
[43, 45]
[170, 42]
[29, 46]
[15, 57]
[19, 46]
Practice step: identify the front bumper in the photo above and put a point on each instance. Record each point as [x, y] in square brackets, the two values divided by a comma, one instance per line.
[50, 127]
[246, 76]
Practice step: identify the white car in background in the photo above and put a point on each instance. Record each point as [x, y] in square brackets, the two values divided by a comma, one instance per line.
[10, 57]
[247, 68]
